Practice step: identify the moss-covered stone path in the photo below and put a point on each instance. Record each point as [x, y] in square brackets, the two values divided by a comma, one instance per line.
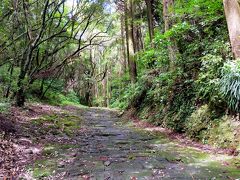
[107, 149]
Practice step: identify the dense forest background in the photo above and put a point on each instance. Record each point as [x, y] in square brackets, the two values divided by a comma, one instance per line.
[169, 62]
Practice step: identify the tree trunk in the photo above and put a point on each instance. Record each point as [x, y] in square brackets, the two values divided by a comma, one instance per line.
[104, 83]
[129, 24]
[138, 45]
[167, 13]
[232, 13]
[88, 98]
[20, 95]
[10, 82]
[150, 20]
[167, 5]
[108, 91]
[41, 88]
[141, 38]
[123, 49]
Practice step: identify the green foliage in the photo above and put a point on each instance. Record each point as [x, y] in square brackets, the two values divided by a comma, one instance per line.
[177, 31]
[154, 57]
[131, 93]
[4, 107]
[206, 10]
[55, 95]
[224, 133]
[161, 85]
[204, 125]
[199, 121]
[230, 84]
[8, 79]
[58, 98]
[180, 109]
[208, 81]
[119, 89]
[148, 58]
[99, 101]
[159, 56]
[176, 89]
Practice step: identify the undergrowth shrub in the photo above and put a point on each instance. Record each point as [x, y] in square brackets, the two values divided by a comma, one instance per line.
[178, 114]
[58, 98]
[208, 81]
[230, 84]
[130, 96]
[205, 126]
[54, 95]
[160, 88]
[8, 79]
[199, 121]
[4, 106]
[119, 88]
[225, 133]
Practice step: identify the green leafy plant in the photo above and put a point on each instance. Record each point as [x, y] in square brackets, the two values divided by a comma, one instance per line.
[230, 84]
[198, 121]
[209, 77]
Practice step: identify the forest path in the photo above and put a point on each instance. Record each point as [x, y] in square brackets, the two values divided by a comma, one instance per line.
[108, 149]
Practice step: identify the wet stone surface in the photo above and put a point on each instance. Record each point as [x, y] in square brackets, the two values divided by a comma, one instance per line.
[106, 150]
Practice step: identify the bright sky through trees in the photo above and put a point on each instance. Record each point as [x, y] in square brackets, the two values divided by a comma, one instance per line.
[110, 6]
[70, 2]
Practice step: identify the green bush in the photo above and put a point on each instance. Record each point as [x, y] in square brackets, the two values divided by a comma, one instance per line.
[131, 92]
[58, 98]
[119, 89]
[161, 86]
[230, 84]
[208, 83]
[205, 126]
[7, 80]
[225, 133]
[4, 107]
[55, 94]
[199, 121]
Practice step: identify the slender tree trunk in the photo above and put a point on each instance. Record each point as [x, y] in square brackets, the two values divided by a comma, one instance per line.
[20, 95]
[130, 40]
[167, 14]
[105, 92]
[138, 45]
[232, 13]
[10, 81]
[141, 41]
[150, 20]
[108, 91]
[123, 49]
[41, 88]
[167, 5]
[88, 99]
